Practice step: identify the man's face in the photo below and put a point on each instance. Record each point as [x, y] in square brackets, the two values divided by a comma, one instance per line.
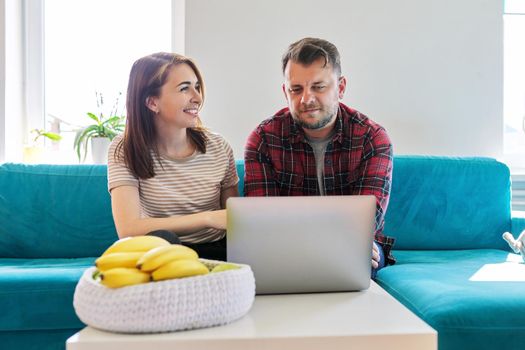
[313, 93]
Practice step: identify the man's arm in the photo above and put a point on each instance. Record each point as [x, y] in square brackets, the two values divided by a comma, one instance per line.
[376, 179]
[259, 175]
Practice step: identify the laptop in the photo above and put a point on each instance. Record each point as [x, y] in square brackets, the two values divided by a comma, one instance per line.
[303, 244]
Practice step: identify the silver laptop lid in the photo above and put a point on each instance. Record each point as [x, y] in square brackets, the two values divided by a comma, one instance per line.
[303, 244]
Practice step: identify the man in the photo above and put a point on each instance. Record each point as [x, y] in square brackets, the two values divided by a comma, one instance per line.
[318, 145]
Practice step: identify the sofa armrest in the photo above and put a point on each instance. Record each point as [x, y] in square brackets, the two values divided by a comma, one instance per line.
[518, 222]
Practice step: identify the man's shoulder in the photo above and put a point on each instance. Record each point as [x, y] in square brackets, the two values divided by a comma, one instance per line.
[277, 123]
[360, 122]
[272, 131]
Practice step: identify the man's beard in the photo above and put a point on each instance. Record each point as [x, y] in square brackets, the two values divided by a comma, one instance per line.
[320, 123]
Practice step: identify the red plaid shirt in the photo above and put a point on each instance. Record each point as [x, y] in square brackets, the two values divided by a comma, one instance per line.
[358, 161]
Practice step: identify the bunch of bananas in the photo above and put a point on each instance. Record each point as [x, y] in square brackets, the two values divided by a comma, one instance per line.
[140, 259]
[173, 261]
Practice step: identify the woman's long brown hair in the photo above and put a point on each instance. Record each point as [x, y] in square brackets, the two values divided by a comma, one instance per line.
[148, 74]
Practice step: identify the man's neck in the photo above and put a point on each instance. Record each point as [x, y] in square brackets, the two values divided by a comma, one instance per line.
[320, 134]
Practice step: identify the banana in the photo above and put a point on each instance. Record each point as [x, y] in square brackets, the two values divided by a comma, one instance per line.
[156, 257]
[178, 269]
[112, 260]
[136, 244]
[123, 276]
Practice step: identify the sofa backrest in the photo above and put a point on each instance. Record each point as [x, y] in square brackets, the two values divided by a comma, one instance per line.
[51, 211]
[446, 202]
[240, 171]
[449, 203]
[54, 211]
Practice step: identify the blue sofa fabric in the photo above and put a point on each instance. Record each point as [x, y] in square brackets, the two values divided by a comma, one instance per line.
[448, 289]
[49, 339]
[448, 203]
[34, 290]
[54, 211]
[453, 268]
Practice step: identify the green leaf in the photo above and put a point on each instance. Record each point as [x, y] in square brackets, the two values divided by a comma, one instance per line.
[113, 120]
[110, 133]
[94, 117]
[81, 138]
[52, 136]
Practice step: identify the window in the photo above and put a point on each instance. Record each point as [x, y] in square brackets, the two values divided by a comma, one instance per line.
[514, 84]
[514, 97]
[88, 49]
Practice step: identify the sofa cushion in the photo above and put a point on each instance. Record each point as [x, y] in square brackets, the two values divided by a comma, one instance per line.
[448, 203]
[54, 211]
[37, 294]
[473, 298]
[49, 339]
[239, 164]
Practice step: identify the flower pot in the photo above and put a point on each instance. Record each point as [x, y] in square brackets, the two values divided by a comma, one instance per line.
[99, 149]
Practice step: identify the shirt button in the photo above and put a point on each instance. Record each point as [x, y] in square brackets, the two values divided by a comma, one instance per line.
[328, 162]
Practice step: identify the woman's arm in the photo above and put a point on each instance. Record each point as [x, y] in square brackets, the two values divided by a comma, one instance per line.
[125, 205]
[226, 193]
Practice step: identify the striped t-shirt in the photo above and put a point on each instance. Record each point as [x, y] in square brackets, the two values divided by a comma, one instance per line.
[181, 187]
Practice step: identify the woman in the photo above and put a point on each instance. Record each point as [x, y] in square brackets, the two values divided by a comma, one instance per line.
[167, 175]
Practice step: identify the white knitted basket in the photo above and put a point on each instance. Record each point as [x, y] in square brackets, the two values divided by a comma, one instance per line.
[178, 304]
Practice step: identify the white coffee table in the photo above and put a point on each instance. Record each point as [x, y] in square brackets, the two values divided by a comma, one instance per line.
[362, 320]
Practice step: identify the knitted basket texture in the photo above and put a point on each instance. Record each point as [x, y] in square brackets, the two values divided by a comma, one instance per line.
[165, 306]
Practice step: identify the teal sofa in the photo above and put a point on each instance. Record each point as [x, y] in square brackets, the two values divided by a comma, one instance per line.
[453, 268]
[447, 214]
[54, 220]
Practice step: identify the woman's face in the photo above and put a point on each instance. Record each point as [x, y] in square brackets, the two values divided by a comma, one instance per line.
[179, 100]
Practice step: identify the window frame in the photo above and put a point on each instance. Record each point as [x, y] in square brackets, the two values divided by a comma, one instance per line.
[514, 160]
[34, 64]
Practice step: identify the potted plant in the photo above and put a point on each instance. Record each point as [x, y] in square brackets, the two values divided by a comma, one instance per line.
[33, 152]
[100, 133]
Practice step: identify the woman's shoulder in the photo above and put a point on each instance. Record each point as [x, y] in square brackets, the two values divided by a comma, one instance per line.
[113, 153]
[215, 138]
[116, 140]
[217, 142]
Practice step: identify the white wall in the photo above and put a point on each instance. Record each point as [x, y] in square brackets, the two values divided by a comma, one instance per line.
[431, 72]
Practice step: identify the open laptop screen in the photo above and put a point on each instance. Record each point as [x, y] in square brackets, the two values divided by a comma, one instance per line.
[303, 244]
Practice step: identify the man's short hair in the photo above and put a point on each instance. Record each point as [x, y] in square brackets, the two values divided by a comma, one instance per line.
[308, 50]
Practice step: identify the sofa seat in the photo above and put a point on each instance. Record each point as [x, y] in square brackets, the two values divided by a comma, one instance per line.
[474, 297]
[39, 293]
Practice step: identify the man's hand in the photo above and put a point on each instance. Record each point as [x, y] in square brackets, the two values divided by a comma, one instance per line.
[375, 256]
